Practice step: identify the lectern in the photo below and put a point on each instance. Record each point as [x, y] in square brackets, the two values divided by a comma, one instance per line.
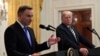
[94, 52]
[73, 52]
[58, 53]
[69, 52]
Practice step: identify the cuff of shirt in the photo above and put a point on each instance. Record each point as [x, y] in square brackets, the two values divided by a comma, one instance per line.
[29, 55]
[48, 44]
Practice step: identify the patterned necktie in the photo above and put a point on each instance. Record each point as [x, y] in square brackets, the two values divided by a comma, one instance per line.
[27, 34]
[73, 32]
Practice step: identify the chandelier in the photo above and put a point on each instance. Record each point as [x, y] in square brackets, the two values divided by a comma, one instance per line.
[3, 11]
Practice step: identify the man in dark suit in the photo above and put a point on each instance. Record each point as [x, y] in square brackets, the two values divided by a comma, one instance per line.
[20, 39]
[70, 37]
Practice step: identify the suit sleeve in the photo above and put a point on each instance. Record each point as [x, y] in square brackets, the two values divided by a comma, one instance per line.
[39, 47]
[86, 42]
[10, 40]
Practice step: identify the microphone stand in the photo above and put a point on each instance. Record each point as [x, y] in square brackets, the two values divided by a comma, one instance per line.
[51, 28]
[59, 33]
[94, 31]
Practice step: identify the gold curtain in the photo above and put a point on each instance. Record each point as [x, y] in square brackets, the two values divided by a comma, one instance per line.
[13, 6]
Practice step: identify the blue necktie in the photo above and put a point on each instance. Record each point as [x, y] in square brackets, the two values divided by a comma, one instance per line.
[27, 34]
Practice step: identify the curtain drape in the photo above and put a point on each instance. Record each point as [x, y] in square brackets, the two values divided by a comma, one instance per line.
[13, 6]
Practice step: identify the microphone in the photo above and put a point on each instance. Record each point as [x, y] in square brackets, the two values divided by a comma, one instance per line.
[91, 30]
[44, 27]
[51, 26]
[94, 31]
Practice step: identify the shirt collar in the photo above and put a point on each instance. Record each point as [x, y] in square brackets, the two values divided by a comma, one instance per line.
[68, 26]
[20, 24]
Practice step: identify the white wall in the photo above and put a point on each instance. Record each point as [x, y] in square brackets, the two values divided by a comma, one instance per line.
[3, 25]
[46, 19]
[50, 15]
[2, 47]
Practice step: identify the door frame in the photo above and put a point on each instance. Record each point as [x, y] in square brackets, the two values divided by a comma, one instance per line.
[57, 13]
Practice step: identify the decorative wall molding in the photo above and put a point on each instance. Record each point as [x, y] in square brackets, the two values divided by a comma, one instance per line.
[51, 14]
[3, 11]
[57, 11]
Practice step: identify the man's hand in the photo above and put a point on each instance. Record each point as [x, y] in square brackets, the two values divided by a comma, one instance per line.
[52, 41]
[84, 51]
[35, 54]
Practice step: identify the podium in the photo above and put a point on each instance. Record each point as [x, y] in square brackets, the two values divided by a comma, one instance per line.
[94, 52]
[56, 53]
[73, 52]
[69, 52]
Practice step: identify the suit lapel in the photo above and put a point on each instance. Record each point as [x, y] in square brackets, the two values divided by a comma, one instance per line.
[69, 33]
[21, 33]
[76, 34]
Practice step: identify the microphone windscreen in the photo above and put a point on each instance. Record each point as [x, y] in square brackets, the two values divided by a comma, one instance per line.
[42, 26]
[89, 29]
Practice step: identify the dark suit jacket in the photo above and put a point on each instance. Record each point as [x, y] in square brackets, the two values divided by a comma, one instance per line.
[16, 42]
[68, 40]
